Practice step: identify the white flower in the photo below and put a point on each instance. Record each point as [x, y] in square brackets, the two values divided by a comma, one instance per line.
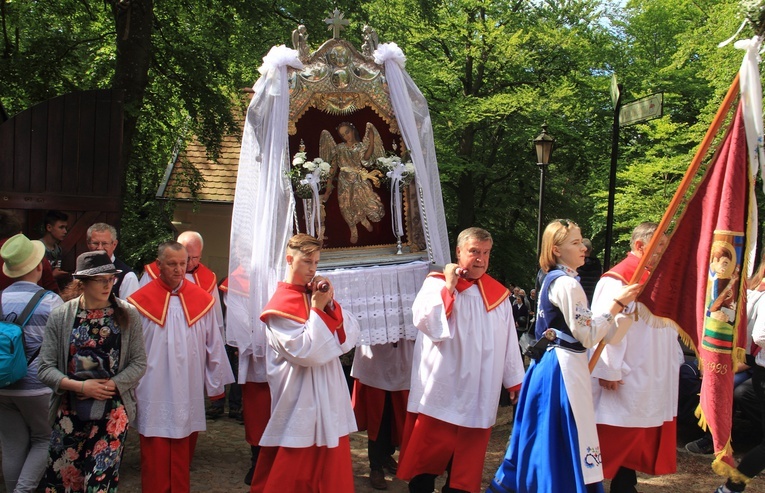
[299, 159]
[324, 166]
[310, 166]
[66, 425]
[60, 463]
[409, 168]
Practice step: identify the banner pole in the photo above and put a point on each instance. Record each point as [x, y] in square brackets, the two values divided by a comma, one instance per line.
[682, 190]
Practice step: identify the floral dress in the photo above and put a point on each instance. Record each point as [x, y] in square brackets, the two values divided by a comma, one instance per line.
[85, 454]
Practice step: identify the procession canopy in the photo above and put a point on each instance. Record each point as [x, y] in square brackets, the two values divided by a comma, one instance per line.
[351, 160]
[340, 85]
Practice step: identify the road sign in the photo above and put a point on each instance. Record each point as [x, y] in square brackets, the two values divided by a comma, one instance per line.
[641, 110]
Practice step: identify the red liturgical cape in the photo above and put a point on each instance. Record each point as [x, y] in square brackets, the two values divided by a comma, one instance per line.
[203, 276]
[153, 300]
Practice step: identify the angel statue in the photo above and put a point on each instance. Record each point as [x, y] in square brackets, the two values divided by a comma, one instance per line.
[351, 162]
[300, 41]
[371, 40]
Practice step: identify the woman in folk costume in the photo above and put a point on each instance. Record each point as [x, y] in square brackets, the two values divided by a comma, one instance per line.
[554, 444]
[92, 357]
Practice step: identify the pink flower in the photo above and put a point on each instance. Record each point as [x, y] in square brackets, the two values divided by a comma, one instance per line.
[71, 454]
[72, 478]
[100, 446]
[114, 444]
[118, 421]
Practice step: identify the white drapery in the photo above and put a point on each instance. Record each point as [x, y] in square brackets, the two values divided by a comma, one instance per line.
[414, 122]
[751, 99]
[261, 223]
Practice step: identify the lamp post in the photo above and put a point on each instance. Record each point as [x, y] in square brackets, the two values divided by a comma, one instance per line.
[543, 145]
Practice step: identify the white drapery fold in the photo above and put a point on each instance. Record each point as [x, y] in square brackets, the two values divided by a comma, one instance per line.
[313, 218]
[261, 222]
[413, 117]
[397, 221]
[751, 99]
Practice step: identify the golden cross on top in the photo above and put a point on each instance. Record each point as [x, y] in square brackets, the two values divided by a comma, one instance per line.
[336, 23]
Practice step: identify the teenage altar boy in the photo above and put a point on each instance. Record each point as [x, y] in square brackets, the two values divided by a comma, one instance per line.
[305, 446]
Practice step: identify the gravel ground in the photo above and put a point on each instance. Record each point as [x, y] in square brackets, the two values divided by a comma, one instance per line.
[222, 458]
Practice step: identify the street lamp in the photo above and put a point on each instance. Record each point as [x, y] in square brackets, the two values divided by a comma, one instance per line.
[543, 145]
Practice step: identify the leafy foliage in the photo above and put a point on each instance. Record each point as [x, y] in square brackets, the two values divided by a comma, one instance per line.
[492, 71]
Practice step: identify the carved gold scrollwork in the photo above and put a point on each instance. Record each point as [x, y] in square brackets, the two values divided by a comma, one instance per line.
[338, 79]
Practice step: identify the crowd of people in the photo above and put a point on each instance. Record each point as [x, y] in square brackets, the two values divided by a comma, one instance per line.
[109, 351]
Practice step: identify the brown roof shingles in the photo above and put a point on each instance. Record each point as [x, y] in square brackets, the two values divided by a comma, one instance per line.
[218, 178]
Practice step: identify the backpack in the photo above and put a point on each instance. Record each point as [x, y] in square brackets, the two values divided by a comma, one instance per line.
[13, 359]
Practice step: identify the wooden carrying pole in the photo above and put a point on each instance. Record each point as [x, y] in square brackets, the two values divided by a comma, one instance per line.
[682, 190]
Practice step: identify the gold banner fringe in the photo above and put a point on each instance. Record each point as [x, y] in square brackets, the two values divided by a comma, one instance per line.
[738, 355]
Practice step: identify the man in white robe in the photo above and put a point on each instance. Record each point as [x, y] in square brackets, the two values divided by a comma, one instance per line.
[305, 446]
[635, 384]
[466, 351]
[186, 357]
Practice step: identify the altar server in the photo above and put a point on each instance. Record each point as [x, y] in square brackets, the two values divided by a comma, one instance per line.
[186, 357]
[381, 375]
[465, 352]
[305, 446]
[635, 384]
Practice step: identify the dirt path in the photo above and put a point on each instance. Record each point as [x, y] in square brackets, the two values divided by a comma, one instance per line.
[222, 458]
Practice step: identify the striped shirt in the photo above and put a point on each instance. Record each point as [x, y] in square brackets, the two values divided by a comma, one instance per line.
[14, 299]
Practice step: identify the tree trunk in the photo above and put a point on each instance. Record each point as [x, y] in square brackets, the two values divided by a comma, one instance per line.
[133, 20]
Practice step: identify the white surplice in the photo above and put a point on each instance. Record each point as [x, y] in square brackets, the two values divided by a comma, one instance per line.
[461, 363]
[310, 402]
[182, 363]
[647, 360]
[384, 366]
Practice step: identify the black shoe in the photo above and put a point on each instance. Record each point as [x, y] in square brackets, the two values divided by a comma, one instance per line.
[215, 412]
[255, 452]
[237, 415]
[702, 446]
[249, 475]
[377, 480]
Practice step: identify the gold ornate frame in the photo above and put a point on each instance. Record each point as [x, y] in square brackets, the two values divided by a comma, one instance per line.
[337, 79]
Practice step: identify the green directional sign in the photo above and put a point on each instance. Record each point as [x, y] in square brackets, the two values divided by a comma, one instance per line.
[641, 110]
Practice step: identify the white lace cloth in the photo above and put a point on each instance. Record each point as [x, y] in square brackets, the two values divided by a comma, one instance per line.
[380, 298]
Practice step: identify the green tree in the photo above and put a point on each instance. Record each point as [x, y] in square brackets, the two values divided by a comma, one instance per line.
[180, 65]
[493, 72]
[670, 47]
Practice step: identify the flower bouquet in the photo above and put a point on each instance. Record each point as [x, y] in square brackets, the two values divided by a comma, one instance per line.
[300, 170]
[393, 168]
